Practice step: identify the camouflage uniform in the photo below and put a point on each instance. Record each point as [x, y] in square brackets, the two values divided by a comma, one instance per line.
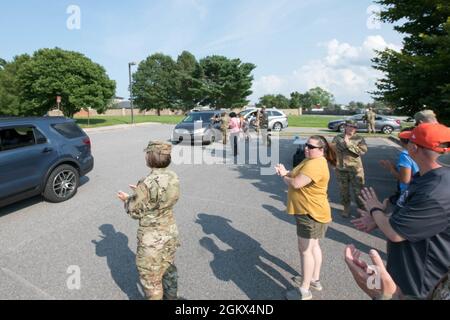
[157, 235]
[264, 125]
[225, 122]
[370, 117]
[442, 289]
[257, 123]
[349, 168]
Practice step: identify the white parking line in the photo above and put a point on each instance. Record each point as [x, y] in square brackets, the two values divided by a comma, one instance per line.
[27, 283]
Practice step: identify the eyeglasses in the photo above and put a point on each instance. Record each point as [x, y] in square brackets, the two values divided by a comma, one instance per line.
[311, 147]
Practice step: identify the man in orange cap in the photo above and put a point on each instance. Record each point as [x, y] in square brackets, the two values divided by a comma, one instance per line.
[418, 230]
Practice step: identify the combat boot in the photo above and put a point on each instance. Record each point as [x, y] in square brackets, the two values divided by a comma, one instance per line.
[346, 212]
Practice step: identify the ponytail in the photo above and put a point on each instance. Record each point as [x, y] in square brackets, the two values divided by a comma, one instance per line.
[328, 152]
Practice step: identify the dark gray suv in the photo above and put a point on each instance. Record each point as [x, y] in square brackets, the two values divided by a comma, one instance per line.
[45, 156]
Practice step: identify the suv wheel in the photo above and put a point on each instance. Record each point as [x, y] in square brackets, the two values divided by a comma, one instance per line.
[387, 129]
[62, 184]
[341, 128]
[277, 127]
[210, 138]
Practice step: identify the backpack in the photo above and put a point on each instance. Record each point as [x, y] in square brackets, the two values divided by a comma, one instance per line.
[299, 155]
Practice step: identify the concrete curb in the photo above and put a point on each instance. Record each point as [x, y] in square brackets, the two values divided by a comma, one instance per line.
[395, 140]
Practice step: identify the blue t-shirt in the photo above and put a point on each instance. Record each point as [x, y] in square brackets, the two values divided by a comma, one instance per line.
[406, 161]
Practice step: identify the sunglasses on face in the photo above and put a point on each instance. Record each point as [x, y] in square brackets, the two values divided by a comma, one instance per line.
[311, 147]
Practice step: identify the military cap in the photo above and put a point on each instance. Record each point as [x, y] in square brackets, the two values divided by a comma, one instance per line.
[444, 160]
[351, 123]
[159, 147]
[425, 116]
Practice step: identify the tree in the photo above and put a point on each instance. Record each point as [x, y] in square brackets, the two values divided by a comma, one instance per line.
[296, 100]
[155, 83]
[80, 82]
[319, 96]
[418, 75]
[226, 83]
[189, 81]
[9, 91]
[274, 101]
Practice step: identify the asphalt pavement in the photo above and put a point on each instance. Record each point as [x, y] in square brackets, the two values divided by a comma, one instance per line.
[237, 240]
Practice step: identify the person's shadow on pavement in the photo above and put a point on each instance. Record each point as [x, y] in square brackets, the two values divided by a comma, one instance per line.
[120, 259]
[247, 264]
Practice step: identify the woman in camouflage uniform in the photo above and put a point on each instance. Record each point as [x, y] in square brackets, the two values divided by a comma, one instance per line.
[152, 203]
[349, 148]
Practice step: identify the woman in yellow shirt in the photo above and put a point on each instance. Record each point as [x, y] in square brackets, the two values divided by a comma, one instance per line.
[308, 202]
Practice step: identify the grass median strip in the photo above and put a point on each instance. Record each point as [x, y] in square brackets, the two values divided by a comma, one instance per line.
[104, 121]
[305, 121]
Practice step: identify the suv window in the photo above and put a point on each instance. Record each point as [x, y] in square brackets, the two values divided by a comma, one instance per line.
[277, 113]
[194, 117]
[358, 117]
[17, 137]
[69, 130]
[40, 138]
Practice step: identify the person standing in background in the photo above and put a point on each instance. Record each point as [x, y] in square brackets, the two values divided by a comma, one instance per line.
[349, 148]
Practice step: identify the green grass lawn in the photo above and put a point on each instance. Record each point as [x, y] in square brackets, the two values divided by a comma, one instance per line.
[311, 121]
[102, 121]
[305, 121]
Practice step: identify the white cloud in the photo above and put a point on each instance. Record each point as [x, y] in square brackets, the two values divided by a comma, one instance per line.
[269, 84]
[345, 71]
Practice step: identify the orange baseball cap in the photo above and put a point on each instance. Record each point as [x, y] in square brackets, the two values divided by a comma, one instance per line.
[433, 136]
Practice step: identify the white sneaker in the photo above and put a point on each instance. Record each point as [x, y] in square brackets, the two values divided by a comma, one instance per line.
[299, 294]
[316, 285]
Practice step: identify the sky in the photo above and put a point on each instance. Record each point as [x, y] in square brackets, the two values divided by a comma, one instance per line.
[295, 44]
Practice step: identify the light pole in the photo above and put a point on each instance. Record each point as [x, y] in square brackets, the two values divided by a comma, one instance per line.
[131, 91]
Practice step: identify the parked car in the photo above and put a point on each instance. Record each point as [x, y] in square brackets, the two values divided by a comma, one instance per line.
[382, 124]
[277, 118]
[198, 126]
[45, 156]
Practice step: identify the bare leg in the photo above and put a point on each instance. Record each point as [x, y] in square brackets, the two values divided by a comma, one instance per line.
[317, 253]
[307, 260]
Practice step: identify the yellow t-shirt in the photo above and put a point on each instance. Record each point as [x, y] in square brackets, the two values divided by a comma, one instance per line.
[312, 199]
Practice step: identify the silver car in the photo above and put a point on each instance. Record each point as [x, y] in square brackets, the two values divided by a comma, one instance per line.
[383, 124]
[277, 118]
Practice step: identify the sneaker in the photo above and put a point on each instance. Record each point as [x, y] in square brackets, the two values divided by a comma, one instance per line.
[316, 285]
[298, 294]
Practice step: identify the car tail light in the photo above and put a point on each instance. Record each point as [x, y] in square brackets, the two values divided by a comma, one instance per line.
[398, 122]
[87, 142]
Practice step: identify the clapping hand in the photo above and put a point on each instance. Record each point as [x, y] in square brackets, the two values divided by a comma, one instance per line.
[388, 165]
[123, 196]
[281, 170]
[366, 222]
[370, 199]
[364, 274]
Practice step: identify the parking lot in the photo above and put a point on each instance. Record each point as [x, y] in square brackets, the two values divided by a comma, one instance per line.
[237, 240]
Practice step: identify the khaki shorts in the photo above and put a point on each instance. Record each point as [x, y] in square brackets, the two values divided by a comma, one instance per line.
[308, 228]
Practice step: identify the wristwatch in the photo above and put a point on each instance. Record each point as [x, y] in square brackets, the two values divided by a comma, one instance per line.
[374, 210]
